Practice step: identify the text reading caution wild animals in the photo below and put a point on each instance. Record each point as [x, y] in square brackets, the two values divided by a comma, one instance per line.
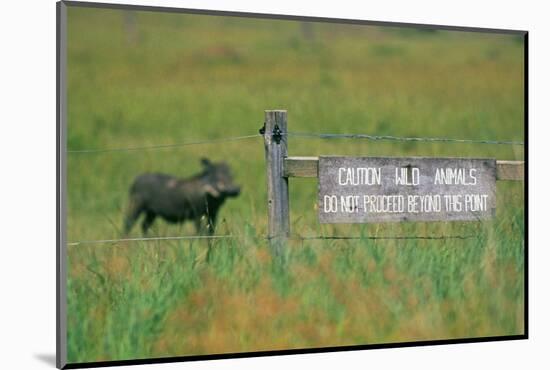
[372, 189]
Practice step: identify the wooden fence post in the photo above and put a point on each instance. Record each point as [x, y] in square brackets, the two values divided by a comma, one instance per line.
[275, 141]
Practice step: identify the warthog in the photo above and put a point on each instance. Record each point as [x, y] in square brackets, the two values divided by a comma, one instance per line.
[197, 198]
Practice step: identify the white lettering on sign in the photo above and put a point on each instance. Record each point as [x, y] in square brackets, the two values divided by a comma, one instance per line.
[456, 176]
[407, 176]
[359, 176]
[365, 189]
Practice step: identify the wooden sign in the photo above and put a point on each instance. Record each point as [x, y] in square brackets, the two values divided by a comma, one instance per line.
[386, 189]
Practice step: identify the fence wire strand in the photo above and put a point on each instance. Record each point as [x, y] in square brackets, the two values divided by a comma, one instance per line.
[439, 237]
[302, 135]
[166, 146]
[162, 238]
[293, 237]
[400, 138]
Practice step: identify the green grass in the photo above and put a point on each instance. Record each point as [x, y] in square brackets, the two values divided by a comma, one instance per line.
[184, 77]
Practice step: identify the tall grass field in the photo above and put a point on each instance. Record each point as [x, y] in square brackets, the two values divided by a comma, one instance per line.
[140, 78]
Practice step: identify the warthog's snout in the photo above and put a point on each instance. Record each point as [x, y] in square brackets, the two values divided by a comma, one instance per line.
[232, 191]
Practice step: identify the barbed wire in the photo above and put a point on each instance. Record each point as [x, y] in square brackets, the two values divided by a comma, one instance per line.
[166, 146]
[292, 237]
[302, 135]
[437, 237]
[400, 138]
[161, 238]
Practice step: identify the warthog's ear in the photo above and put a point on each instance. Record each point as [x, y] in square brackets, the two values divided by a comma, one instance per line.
[206, 162]
[209, 189]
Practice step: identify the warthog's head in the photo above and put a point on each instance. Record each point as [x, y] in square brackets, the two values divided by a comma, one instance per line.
[219, 180]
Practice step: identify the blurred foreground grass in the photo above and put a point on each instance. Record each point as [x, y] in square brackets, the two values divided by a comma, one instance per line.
[143, 78]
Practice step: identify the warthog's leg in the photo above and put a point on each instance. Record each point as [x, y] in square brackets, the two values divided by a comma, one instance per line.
[211, 224]
[132, 214]
[198, 226]
[148, 221]
[205, 225]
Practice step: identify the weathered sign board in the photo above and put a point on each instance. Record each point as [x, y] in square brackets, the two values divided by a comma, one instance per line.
[387, 189]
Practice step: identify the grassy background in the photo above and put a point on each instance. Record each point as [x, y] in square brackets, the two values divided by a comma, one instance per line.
[144, 78]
